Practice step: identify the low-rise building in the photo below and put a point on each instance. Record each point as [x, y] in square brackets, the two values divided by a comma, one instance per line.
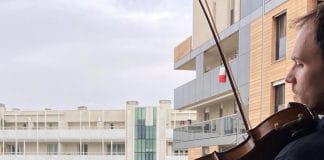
[134, 133]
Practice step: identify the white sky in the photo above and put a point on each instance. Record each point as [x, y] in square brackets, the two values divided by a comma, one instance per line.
[97, 53]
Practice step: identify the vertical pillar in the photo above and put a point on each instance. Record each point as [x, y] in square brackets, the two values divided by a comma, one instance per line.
[175, 120]
[80, 120]
[111, 147]
[24, 147]
[3, 120]
[15, 120]
[58, 138]
[200, 65]
[3, 146]
[37, 127]
[16, 146]
[89, 119]
[102, 146]
[45, 120]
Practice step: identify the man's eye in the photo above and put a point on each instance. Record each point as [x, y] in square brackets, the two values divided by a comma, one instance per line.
[299, 64]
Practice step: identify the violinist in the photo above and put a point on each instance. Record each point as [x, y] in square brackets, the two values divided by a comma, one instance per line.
[307, 80]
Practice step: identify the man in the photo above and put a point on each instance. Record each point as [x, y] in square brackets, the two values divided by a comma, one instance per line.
[307, 79]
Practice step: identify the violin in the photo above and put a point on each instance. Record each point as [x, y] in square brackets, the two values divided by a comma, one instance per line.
[267, 139]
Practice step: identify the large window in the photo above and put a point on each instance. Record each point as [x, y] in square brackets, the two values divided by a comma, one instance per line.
[279, 96]
[83, 149]
[206, 114]
[52, 149]
[116, 149]
[11, 149]
[281, 36]
[205, 150]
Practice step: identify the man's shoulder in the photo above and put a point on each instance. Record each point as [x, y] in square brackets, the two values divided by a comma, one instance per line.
[307, 147]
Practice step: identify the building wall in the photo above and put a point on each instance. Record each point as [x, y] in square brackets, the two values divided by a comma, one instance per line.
[194, 153]
[265, 69]
[201, 32]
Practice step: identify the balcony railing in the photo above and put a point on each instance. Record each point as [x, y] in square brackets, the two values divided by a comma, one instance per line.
[63, 134]
[62, 157]
[225, 126]
[178, 157]
[203, 87]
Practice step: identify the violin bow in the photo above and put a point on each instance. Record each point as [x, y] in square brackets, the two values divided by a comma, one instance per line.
[212, 26]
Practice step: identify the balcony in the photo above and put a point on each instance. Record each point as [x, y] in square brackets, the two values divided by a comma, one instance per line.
[63, 157]
[62, 134]
[183, 49]
[176, 157]
[219, 131]
[203, 87]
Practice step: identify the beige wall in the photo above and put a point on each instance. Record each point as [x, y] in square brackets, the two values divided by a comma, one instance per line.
[194, 153]
[265, 69]
[201, 32]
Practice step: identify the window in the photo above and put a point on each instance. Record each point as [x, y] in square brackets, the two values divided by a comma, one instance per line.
[52, 149]
[279, 97]
[281, 36]
[235, 107]
[11, 149]
[117, 149]
[221, 110]
[232, 11]
[206, 114]
[83, 149]
[205, 150]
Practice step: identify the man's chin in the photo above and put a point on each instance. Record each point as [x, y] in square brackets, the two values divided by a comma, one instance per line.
[296, 99]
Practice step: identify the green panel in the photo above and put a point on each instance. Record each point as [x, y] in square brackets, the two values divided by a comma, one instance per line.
[145, 136]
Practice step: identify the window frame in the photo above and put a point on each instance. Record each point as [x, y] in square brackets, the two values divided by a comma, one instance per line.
[277, 45]
[276, 88]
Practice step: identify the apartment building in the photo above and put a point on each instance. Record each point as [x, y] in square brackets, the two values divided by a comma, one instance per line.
[133, 133]
[257, 41]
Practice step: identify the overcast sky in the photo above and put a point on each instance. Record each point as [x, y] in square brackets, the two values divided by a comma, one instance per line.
[97, 53]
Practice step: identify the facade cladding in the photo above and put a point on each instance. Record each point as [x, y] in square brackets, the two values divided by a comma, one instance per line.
[145, 133]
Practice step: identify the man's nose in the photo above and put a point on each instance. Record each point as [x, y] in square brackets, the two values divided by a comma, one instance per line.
[290, 78]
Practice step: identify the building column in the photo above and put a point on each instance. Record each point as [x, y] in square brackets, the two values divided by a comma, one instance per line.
[24, 147]
[3, 146]
[102, 146]
[111, 147]
[16, 146]
[45, 120]
[37, 127]
[59, 147]
[200, 65]
[89, 119]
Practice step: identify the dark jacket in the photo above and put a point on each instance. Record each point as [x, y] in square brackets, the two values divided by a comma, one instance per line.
[310, 147]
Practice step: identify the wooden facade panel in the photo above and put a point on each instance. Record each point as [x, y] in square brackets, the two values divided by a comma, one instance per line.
[262, 57]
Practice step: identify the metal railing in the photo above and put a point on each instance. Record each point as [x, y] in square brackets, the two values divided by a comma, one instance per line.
[62, 157]
[63, 134]
[65, 153]
[59, 127]
[203, 87]
[224, 126]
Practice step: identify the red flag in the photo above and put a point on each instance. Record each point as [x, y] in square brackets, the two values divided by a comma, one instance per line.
[222, 74]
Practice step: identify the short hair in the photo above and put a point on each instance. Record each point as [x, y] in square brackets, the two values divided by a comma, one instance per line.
[317, 17]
